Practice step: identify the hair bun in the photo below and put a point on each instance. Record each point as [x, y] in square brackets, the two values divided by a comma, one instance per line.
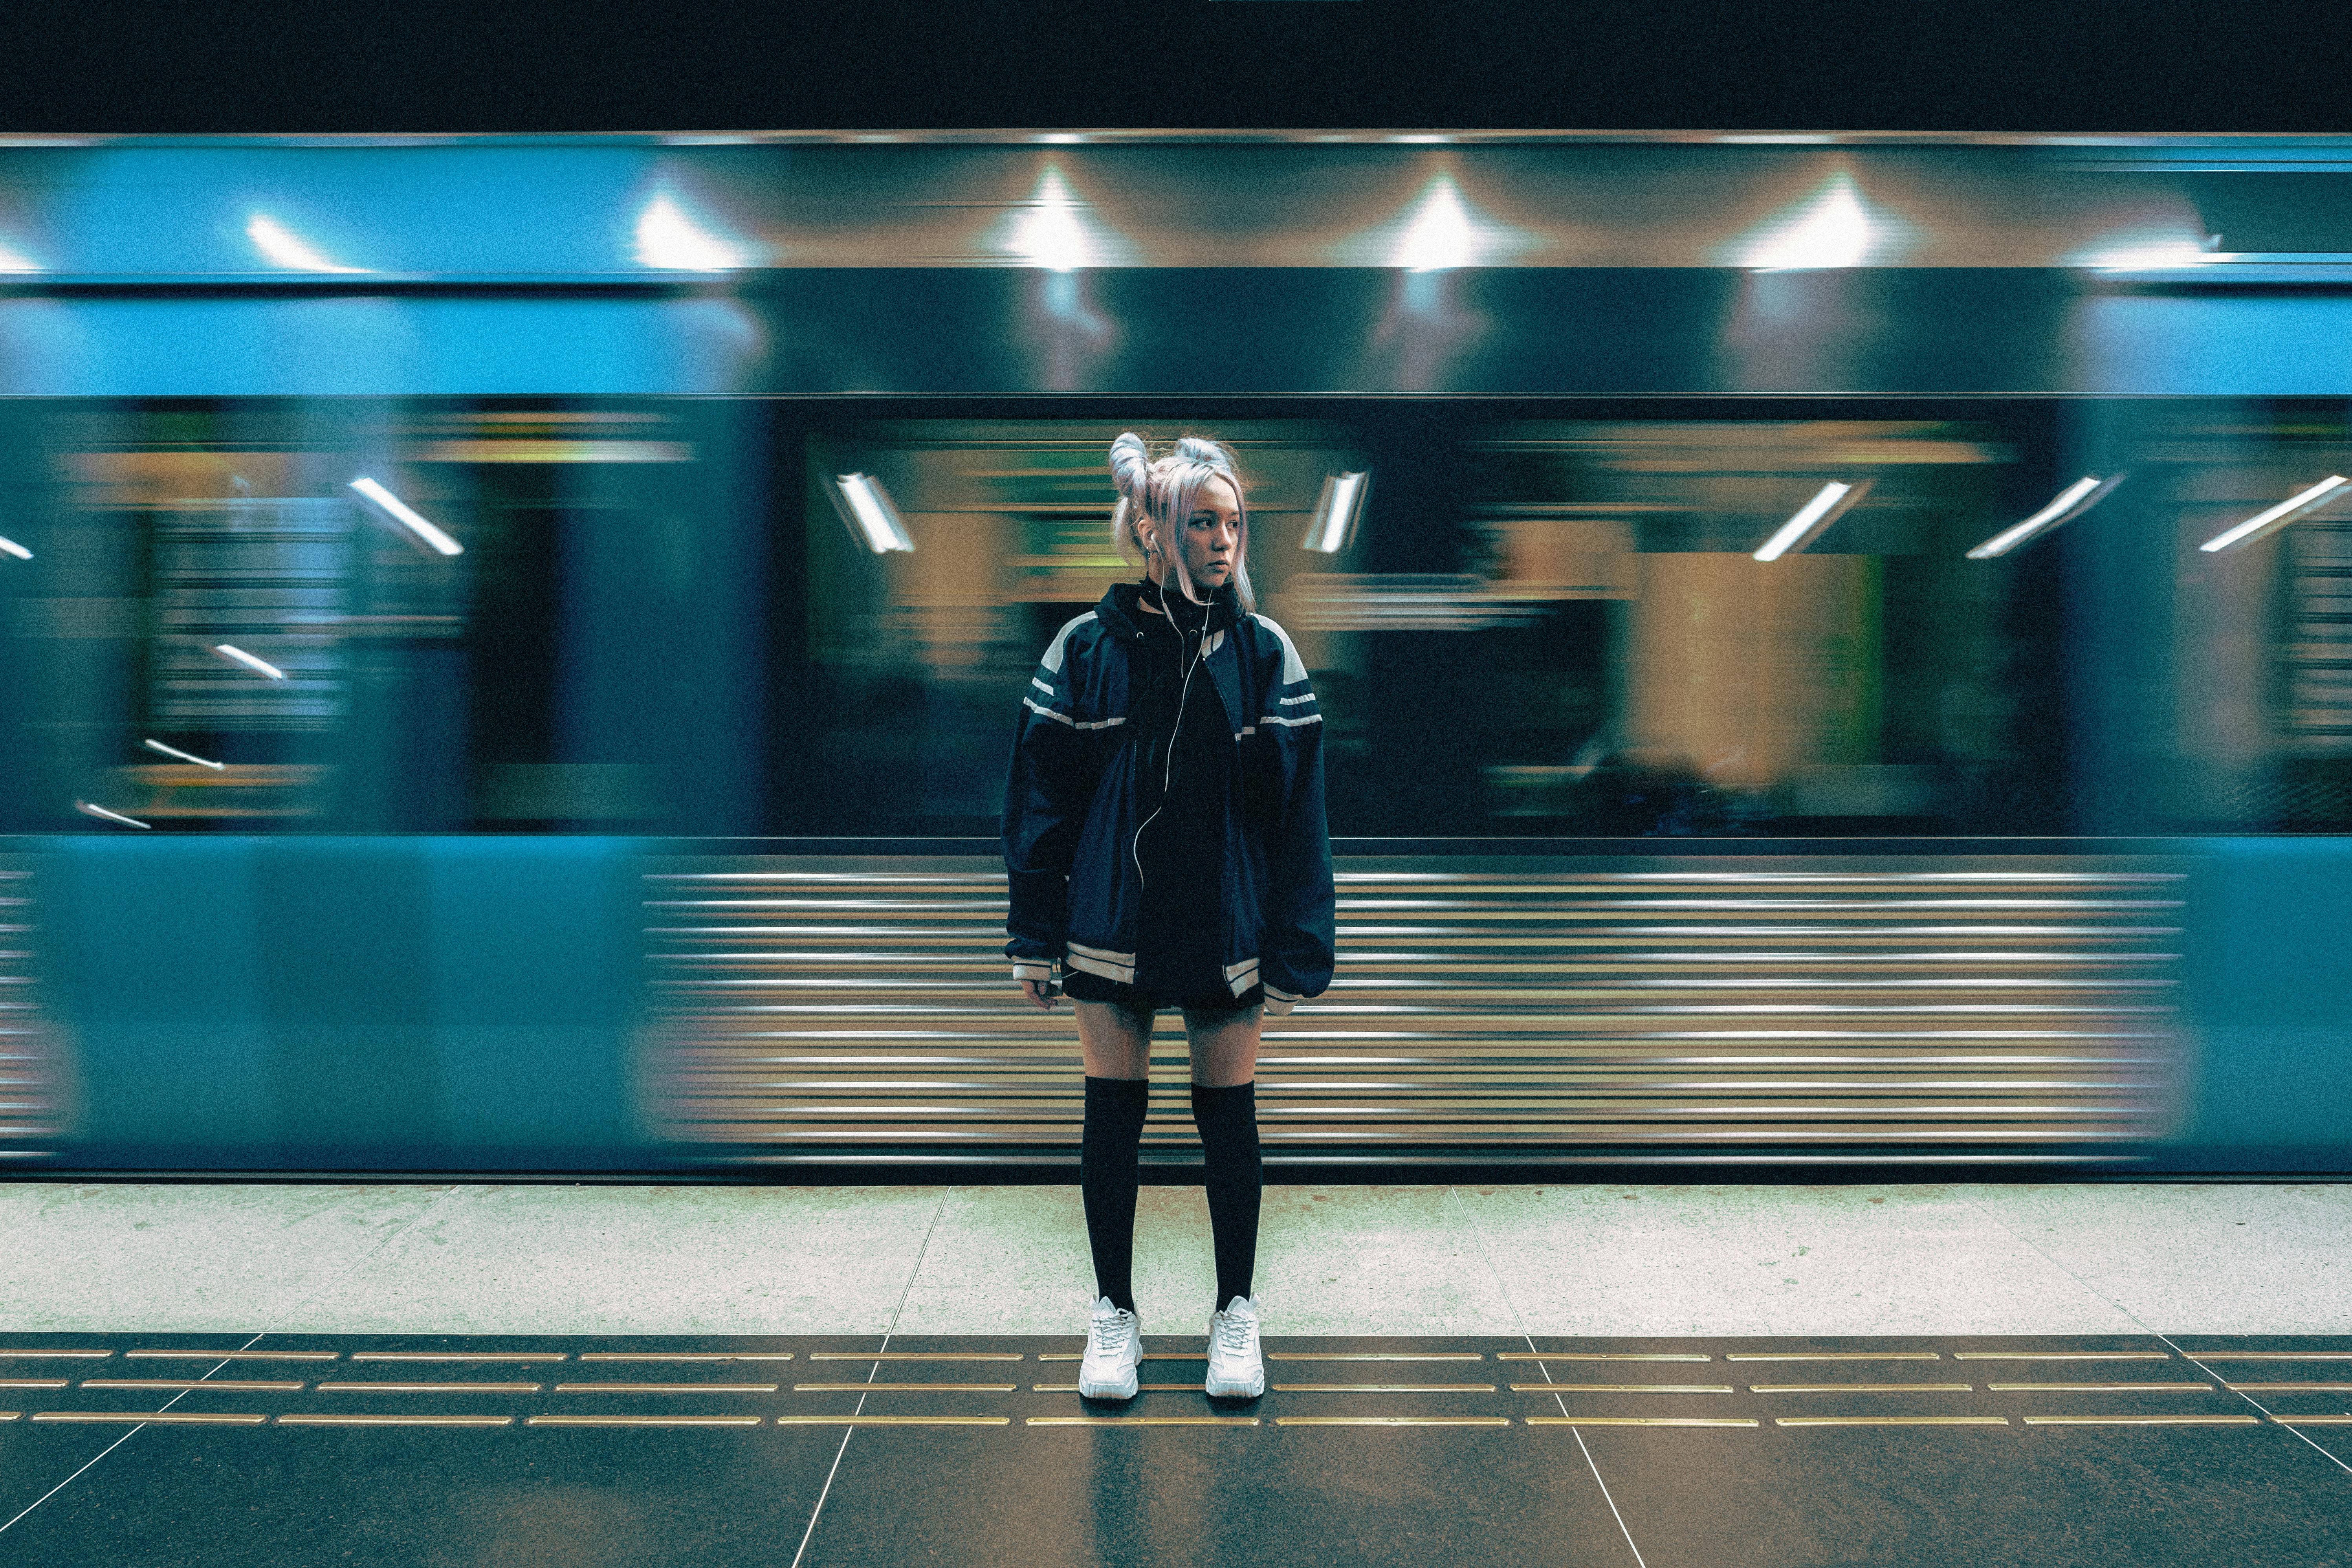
[1130, 467]
[1196, 450]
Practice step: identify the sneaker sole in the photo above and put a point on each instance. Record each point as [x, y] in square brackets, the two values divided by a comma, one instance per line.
[1252, 1390]
[1108, 1390]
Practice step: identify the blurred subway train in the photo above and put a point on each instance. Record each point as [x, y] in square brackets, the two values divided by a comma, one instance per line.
[1837, 650]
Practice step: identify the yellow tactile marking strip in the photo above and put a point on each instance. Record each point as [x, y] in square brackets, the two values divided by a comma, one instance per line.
[1623, 1388]
[2242, 1388]
[159, 1418]
[1141, 1421]
[44, 1382]
[683, 1387]
[1844, 1355]
[893, 1420]
[902, 1387]
[2062, 1355]
[1595, 1356]
[515, 1356]
[937, 1355]
[396, 1421]
[1641, 1421]
[2268, 1355]
[233, 1355]
[60, 1355]
[241, 1384]
[1890, 1421]
[2142, 1420]
[1384, 1388]
[1392, 1421]
[2099, 1387]
[2313, 1420]
[1860, 1388]
[670, 1356]
[641, 1421]
[428, 1387]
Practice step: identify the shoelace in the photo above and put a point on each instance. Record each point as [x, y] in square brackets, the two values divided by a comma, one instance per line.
[1232, 1333]
[1111, 1334]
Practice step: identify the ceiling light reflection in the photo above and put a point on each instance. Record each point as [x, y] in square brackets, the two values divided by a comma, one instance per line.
[98, 811]
[1833, 227]
[1050, 234]
[10, 547]
[283, 246]
[1438, 235]
[669, 237]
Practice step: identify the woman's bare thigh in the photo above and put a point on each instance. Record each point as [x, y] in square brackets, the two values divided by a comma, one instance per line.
[1116, 1041]
[1224, 1046]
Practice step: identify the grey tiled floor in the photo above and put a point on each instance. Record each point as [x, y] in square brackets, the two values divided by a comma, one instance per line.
[1562, 1260]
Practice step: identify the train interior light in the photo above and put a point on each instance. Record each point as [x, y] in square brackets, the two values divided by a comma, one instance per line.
[179, 755]
[1809, 520]
[2300, 504]
[867, 509]
[1333, 524]
[86, 809]
[237, 656]
[414, 525]
[10, 547]
[2065, 507]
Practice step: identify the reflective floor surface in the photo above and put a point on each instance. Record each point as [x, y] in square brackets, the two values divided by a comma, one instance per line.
[217, 1375]
[554, 1449]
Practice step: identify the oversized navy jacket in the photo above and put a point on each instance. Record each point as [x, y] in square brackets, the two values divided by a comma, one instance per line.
[1070, 814]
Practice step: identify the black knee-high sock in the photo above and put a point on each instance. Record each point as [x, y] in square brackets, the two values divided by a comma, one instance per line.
[1227, 1119]
[1107, 1176]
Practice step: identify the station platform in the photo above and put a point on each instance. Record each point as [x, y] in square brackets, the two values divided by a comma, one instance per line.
[1669, 1376]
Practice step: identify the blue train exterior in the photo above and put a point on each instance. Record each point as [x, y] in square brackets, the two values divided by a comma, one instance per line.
[649, 829]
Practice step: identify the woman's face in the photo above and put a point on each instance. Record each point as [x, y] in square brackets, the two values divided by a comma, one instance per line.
[1212, 546]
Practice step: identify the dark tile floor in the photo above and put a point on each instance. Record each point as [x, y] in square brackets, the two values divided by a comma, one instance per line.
[638, 1453]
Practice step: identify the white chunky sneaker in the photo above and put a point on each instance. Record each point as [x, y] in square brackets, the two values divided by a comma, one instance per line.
[1236, 1370]
[1114, 1347]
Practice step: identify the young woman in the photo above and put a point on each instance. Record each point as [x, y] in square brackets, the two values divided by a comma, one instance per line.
[1164, 833]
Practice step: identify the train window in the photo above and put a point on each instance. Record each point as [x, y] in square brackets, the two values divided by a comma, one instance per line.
[1536, 628]
[345, 615]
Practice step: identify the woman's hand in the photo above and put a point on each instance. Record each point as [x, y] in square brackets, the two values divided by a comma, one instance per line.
[1035, 990]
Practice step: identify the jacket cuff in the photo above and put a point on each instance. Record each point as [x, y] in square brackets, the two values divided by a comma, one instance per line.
[1033, 969]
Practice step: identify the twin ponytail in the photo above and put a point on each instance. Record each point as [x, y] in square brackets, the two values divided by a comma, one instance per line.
[1155, 497]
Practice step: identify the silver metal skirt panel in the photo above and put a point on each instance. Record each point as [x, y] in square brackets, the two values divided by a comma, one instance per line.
[824, 1011]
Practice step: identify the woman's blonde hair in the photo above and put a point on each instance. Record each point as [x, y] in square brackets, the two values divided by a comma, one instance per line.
[1161, 490]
